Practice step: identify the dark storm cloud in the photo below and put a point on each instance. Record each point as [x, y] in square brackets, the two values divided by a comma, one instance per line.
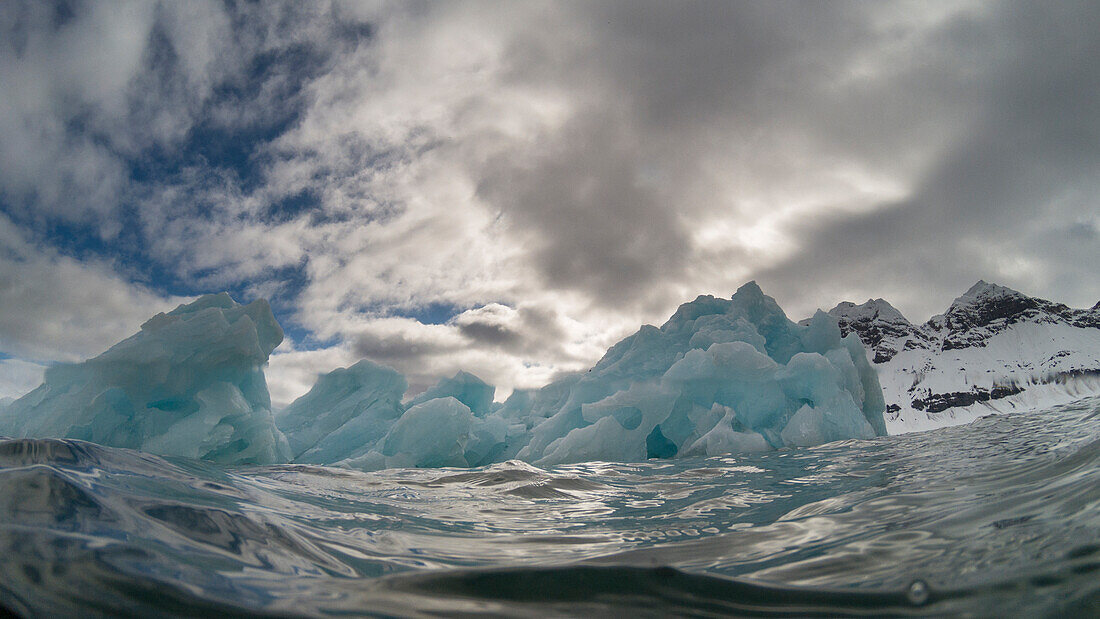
[1011, 186]
[600, 197]
[397, 348]
[492, 334]
[593, 227]
[531, 332]
[675, 105]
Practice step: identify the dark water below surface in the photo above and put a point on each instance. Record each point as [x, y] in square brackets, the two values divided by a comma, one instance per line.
[997, 518]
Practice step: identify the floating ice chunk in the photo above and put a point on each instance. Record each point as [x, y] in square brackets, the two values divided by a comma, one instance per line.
[831, 409]
[873, 401]
[720, 375]
[814, 426]
[822, 333]
[345, 413]
[430, 434]
[740, 356]
[617, 427]
[722, 438]
[552, 429]
[714, 329]
[190, 383]
[464, 387]
[488, 439]
[373, 460]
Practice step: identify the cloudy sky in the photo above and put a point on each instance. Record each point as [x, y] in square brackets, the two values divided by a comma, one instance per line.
[511, 188]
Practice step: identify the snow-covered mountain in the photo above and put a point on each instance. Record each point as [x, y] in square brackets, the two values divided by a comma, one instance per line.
[994, 350]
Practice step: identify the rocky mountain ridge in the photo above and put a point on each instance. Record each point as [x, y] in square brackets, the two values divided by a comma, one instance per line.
[994, 349]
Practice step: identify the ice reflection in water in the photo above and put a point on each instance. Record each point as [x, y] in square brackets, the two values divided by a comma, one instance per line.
[1001, 514]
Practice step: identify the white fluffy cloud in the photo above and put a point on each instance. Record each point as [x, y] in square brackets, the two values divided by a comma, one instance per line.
[54, 307]
[17, 377]
[552, 175]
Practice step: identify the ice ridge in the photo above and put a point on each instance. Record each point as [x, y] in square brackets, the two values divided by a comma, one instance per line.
[720, 376]
[190, 383]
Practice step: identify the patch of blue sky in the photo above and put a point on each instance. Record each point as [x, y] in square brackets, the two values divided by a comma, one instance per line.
[208, 145]
[126, 253]
[290, 207]
[264, 102]
[435, 313]
[303, 338]
[239, 148]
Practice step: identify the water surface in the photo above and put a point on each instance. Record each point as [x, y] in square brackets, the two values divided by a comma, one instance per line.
[998, 517]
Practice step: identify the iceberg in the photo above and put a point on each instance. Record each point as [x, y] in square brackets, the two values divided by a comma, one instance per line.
[345, 413]
[431, 434]
[720, 376]
[355, 416]
[190, 383]
[468, 389]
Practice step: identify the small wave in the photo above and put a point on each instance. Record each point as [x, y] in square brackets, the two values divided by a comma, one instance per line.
[998, 517]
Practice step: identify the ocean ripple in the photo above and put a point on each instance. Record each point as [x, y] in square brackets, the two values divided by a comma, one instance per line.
[999, 516]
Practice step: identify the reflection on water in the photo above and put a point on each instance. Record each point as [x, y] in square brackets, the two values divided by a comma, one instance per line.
[1001, 515]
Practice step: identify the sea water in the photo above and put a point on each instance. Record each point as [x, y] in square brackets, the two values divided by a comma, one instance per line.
[998, 517]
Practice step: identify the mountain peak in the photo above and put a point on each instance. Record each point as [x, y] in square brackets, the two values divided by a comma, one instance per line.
[879, 325]
[749, 289]
[984, 291]
[871, 309]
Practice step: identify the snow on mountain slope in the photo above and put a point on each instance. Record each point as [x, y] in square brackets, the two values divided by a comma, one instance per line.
[994, 350]
[881, 328]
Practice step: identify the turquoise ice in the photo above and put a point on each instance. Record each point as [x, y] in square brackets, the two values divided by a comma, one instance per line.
[190, 383]
[720, 376]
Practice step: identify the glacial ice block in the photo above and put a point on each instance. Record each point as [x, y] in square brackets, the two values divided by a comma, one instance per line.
[720, 375]
[190, 383]
[430, 434]
[345, 413]
[464, 387]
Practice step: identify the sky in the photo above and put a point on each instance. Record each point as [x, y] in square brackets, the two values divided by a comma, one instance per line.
[510, 188]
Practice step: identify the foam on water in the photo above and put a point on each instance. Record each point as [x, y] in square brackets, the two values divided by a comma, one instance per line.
[1002, 515]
